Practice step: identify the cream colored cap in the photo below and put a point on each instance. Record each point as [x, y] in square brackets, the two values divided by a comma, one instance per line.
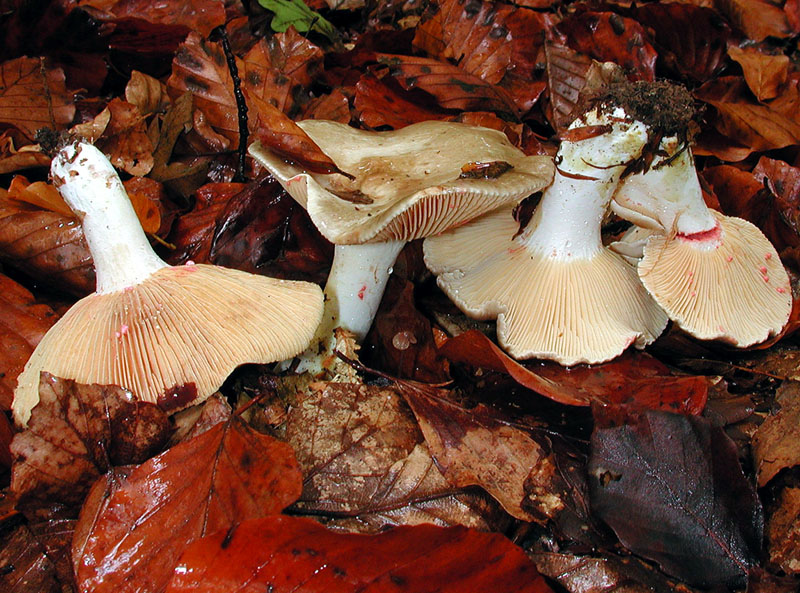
[579, 310]
[176, 336]
[410, 183]
[726, 284]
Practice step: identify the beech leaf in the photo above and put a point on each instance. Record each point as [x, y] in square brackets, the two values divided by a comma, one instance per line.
[776, 442]
[76, 433]
[134, 532]
[783, 531]
[681, 474]
[25, 565]
[297, 14]
[283, 554]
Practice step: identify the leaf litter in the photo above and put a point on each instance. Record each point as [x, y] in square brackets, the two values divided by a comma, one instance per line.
[487, 445]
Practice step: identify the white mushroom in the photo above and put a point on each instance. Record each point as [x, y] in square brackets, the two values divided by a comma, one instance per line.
[398, 186]
[556, 292]
[168, 334]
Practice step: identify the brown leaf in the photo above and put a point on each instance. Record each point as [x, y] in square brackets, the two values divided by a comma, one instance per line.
[764, 73]
[131, 536]
[334, 107]
[76, 433]
[148, 94]
[566, 74]
[634, 378]
[367, 456]
[280, 68]
[282, 554]
[382, 102]
[758, 19]
[690, 39]
[22, 324]
[478, 448]
[125, 140]
[46, 246]
[25, 566]
[148, 198]
[783, 532]
[609, 37]
[33, 96]
[452, 87]
[775, 444]
[198, 15]
[756, 125]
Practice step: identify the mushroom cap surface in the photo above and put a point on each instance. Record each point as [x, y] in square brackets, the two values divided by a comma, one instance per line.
[727, 284]
[577, 310]
[409, 183]
[175, 337]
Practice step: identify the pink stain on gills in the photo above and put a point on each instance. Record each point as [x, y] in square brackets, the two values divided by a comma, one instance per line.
[714, 234]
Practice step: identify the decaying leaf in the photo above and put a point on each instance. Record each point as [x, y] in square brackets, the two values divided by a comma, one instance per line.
[132, 534]
[683, 475]
[24, 564]
[776, 443]
[76, 433]
[783, 532]
[283, 554]
[765, 74]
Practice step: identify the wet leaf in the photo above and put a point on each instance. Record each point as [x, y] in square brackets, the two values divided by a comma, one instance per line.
[76, 433]
[776, 443]
[682, 474]
[478, 447]
[609, 37]
[758, 19]
[24, 564]
[765, 74]
[634, 378]
[382, 102]
[131, 536]
[284, 554]
[23, 323]
[201, 16]
[295, 13]
[46, 246]
[783, 532]
[33, 96]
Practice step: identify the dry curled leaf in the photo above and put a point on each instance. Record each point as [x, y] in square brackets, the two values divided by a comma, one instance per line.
[776, 442]
[130, 537]
[76, 433]
[283, 554]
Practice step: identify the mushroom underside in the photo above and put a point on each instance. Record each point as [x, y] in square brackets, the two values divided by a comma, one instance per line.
[572, 310]
[734, 289]
[175, 337]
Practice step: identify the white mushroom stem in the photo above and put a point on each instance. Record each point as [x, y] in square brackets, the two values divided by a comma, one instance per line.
[89, 184]
[356, 284]
[667, 198]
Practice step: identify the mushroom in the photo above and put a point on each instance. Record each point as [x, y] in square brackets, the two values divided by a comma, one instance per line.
[397, 186]
[556, 291]
[169, 334]
[718, 277]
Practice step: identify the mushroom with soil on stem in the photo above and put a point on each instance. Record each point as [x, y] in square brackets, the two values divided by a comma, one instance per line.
[169, 334]
[718, 277]
[556, 291]
[397, 186]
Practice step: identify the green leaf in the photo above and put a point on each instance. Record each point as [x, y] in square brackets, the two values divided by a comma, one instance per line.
[295, 13]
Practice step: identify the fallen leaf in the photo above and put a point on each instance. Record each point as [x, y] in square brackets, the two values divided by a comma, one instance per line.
[125, 141]
[148, 94]
[775, 443]
[783, 532]
[690, 39]
[478, 447]
[199, 15]
[383, 102]
[282, 554]
[130, 539]
[609, 37]
[682, 474]
[764, 73]
[33, 96]
[76, 433]
[566, 74]
[25, 566]
[23, 323]
[45, 246]
[634, 378]
[758, 19]
[297, 14]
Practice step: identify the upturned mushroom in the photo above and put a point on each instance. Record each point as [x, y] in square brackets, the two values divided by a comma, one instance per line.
[168, 334]
[397, 186]
[718, 277]
[556, 291]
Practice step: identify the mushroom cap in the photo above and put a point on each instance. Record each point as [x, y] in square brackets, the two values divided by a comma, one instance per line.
[173, 338]
[409, 183]
[727, 284]
[576, 310]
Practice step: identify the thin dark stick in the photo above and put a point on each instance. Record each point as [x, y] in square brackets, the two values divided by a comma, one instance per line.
[241, 105]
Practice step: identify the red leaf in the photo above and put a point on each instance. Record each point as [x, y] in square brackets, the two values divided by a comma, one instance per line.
[608, 37]
[282, 554]
[131, 537]
[634, 378]
[683, 475]
[381, 102]
[758, 19]
[198, 15]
